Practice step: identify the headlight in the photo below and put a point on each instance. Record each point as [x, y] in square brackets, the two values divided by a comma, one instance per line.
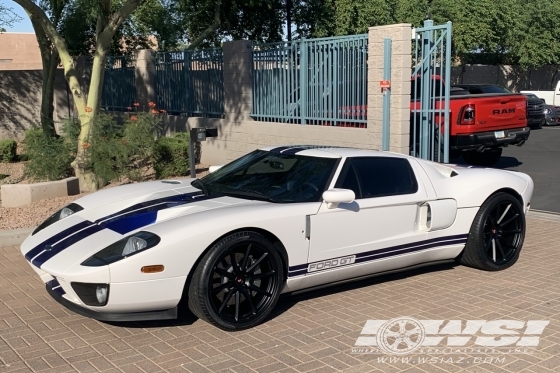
[547, 111]
[122, 249]
[59, 215]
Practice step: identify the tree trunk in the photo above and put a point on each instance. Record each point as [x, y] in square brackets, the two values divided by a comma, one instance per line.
[47, 98]
[88, 181]
[49, 58]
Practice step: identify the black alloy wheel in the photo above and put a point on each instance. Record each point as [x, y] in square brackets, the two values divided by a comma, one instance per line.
[238, 282]
[496, 235]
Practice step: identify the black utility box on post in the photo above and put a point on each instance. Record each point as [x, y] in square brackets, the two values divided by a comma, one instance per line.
[196, 135]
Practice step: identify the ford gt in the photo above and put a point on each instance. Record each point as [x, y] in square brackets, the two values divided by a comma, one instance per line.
[277, 220]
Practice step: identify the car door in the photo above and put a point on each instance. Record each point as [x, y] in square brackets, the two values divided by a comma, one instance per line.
[376, 231]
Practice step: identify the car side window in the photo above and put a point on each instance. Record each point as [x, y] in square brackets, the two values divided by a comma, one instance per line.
[348, 179]
[378, 177]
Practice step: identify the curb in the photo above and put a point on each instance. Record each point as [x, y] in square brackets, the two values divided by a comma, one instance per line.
[14, 237]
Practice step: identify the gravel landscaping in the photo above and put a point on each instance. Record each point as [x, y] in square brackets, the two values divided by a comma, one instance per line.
[32, 215]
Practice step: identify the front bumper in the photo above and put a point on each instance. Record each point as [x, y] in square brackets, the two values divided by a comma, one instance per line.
[536, 121]
[552, 119]
[56, 293]
[516, 136]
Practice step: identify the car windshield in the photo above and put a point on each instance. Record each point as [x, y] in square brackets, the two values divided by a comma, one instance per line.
[274, 177]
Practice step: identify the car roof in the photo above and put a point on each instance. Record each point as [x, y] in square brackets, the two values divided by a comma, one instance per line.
[326, 151]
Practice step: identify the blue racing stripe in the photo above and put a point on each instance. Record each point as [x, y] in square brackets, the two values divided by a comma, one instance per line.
[293, 151]
[54, 239]
[69, 241]
[280, 149]
[123, 222]
[131, 222]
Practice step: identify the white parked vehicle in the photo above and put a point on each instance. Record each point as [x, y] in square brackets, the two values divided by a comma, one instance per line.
[277, 220]
[550, 97]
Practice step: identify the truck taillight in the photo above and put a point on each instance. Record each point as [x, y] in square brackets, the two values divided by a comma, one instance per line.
[466, 115]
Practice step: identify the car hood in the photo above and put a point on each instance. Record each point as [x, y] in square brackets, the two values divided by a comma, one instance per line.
[114, 213]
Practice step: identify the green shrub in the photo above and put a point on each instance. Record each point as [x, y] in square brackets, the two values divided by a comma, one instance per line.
[49, 157]
[8, 150]
[122, 150]
[171, 156]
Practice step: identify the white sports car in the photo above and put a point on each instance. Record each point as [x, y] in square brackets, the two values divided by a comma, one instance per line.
[277, 220]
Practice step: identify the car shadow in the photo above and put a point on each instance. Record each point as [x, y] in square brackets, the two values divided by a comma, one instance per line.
[507, 162]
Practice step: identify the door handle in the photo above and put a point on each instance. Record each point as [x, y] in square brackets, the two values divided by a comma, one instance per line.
[504, 101]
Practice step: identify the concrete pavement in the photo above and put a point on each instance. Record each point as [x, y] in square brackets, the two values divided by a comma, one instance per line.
[312, 332]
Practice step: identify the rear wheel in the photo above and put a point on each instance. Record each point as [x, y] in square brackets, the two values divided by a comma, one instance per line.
[496, 234]
[238, 282]
[486, 158]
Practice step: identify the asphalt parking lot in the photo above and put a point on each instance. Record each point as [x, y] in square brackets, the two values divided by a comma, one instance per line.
[312, 332]
[540, 158]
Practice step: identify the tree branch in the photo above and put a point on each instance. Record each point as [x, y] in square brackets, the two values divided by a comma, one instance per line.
[104, 38]
[41, 19]
[213, 27]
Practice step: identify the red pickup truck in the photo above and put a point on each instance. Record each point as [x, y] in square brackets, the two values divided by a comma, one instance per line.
[479, 125]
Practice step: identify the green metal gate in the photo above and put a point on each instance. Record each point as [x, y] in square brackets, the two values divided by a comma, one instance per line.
[319, 81]
[429, 132]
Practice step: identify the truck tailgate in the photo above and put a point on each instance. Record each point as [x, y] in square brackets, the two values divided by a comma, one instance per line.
[496, 112]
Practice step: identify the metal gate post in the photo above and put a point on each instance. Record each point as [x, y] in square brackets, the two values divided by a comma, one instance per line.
[427, 37]
[387, 44]
[187, 82]
[303, 83]
[447, 92]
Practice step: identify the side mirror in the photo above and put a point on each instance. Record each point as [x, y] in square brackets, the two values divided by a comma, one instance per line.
[215, 168]
[333, 197]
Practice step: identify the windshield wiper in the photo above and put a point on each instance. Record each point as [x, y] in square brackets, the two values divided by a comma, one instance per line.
[248, 193]
[199, 184]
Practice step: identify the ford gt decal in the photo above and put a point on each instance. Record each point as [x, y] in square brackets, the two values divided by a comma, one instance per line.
[368, 256]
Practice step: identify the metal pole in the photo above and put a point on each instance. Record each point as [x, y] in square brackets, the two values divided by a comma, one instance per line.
[427, 36]
[447, 92]
[303, 83]
[192, 145]
[387, 45]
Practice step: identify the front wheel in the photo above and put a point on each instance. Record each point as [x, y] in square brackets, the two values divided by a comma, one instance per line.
[496, 234]
[237, 283]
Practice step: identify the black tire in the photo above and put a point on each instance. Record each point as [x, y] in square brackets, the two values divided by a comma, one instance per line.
[487, 158]
[237, 282]
[496, 236]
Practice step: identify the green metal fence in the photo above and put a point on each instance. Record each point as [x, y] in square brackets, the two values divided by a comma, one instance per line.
[191, 82]
[119, 84]
[312, 81]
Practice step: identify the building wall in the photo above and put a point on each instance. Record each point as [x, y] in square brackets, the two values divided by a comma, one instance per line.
[19, 51]
[20, 101]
